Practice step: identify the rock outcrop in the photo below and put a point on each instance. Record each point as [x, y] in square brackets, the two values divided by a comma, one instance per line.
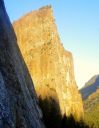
[18, 101]
[50, 65]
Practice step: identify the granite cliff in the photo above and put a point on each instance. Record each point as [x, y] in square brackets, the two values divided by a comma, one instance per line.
[18, 101]
[50, 65]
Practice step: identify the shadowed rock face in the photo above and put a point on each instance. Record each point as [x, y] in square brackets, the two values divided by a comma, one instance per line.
[18, 101]
[50, 65]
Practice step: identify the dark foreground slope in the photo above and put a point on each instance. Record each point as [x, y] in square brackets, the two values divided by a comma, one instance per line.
[18, 103]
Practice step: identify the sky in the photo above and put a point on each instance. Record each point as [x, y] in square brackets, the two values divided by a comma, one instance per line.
[78, 27]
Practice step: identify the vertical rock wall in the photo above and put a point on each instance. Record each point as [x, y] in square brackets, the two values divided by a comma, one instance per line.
[50, 65]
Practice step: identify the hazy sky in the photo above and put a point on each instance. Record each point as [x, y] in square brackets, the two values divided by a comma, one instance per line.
[78, 26]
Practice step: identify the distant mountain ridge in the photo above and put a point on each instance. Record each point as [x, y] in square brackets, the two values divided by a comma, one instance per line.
[91, 81]
[90, 87]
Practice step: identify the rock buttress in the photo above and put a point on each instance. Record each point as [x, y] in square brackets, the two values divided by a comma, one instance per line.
[18, 101]
[50, 65]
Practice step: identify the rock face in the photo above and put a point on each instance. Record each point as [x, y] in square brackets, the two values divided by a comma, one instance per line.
[18, 101]
[50, 65]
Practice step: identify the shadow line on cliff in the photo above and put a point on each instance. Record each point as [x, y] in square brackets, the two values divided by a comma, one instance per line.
[52, 115]
[51, 112]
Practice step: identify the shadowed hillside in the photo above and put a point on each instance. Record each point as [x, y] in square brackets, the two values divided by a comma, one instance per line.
[90, 94]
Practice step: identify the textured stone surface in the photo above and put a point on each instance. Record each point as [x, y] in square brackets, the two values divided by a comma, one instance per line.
[18, 101]
[50, 65]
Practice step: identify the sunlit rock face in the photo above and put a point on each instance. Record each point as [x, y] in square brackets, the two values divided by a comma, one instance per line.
[50, 65]
[18, 101]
